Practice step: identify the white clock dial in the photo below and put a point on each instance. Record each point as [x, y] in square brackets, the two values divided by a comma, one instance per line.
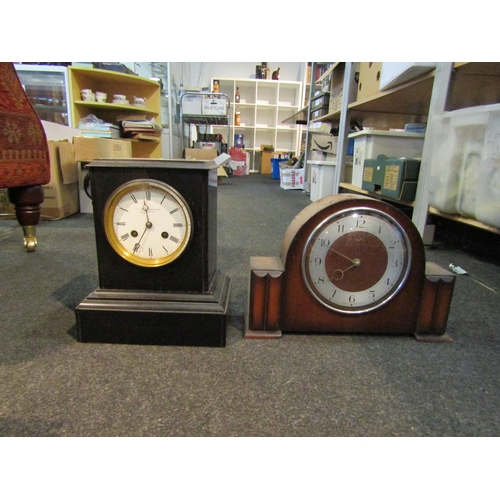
[356, 260]
[148, 223]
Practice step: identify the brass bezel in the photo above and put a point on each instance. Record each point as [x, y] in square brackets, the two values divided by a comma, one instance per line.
[114, 241]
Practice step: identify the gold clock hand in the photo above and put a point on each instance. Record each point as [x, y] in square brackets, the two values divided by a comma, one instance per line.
[342, 255]
[356, 263]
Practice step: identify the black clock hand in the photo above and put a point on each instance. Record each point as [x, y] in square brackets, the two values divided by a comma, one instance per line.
[146, 208]
[138, 244]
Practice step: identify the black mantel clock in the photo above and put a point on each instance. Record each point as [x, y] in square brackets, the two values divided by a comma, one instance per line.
[156, 239]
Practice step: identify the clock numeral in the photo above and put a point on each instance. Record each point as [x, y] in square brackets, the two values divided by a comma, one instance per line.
[333, 294]
[174, 239]
[360, 223]
[178, 224]
[150, 252]
[121, 223]
[317, 261]
[395, 263]
[163, 199]
[124, 237]
[165, 249]
[324, 242]
[340, 228]
[174, 210]
[133, 197]
[392, 244]
[321, 280]
[148, 194]
[352, 299]
[121, 208]
[371, 294]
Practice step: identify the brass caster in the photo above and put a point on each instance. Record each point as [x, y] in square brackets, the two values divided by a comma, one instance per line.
[29, 238]
[30, 244]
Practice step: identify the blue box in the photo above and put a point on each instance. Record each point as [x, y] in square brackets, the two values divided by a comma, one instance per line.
[275, 174]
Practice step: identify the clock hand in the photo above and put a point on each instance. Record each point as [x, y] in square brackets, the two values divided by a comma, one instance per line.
[138, 244]
[342, 255]
[356, 263]
[146, 208]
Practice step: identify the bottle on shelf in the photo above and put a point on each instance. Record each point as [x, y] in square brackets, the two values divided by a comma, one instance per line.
[237, 117]
[237, 96]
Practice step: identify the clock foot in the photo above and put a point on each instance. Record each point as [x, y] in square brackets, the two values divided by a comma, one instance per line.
[254, 334]
[262, 320]
[433, 338]
[124, 317]
[435, 304]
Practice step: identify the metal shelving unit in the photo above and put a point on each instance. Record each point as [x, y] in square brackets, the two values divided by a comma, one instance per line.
[206, 120]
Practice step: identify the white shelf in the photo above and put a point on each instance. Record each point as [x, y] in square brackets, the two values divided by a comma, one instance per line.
[263, 105]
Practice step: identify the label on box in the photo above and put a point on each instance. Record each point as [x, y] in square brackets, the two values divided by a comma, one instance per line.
[391, 177]
[213, 107]
[368, 174]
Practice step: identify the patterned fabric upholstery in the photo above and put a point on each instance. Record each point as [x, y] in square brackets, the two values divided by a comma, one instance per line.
[24, 156]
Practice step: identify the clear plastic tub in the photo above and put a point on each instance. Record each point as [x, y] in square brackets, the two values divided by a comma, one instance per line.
[465, 163]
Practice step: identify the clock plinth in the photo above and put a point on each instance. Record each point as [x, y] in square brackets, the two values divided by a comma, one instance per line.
[349, 264]
[148, 318]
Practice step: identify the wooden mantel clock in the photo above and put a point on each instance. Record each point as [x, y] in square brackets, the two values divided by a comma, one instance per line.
[349, 263]
[156, 240]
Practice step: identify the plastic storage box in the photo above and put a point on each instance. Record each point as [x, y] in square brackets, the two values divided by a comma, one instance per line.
[322, 179]
[465, 163]
[368, 144]
[275, 174]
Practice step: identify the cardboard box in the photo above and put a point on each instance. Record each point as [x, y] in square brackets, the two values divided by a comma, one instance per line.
[191, 104]
[326, 143]
[373, 173]
[213, 107]
[369, 79]
[292, 178]
[91, 148]
[267, 153]
[396, 73]
[401, 178]
[61, 194]
[204, 155]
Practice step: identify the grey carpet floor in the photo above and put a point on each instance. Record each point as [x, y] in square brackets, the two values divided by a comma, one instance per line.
[299, 385]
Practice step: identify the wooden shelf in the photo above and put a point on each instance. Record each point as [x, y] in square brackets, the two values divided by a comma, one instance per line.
[112, 106]
[465, 220]
[434, 211]
[112, 83]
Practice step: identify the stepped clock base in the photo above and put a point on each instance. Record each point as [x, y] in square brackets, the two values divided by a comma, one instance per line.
[150, 318]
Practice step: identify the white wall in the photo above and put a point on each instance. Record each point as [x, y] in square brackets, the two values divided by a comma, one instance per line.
[198, 74]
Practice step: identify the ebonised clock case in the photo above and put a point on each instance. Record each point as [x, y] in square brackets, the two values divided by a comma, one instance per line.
[182, 303]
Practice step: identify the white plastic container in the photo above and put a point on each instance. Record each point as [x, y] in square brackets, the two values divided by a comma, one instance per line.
[465, 163]
[322, 179]
[371, 143]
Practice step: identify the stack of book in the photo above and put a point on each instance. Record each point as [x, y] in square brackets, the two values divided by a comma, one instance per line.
[141, 129]
[105, 130]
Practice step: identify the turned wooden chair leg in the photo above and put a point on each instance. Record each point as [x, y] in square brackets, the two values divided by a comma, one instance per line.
[27, 201]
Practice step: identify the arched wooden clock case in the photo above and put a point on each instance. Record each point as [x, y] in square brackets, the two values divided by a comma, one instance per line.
[158, 277]
[349, 264]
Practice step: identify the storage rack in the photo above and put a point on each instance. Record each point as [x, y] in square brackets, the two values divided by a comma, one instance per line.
[450, 86]
[203, 119]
